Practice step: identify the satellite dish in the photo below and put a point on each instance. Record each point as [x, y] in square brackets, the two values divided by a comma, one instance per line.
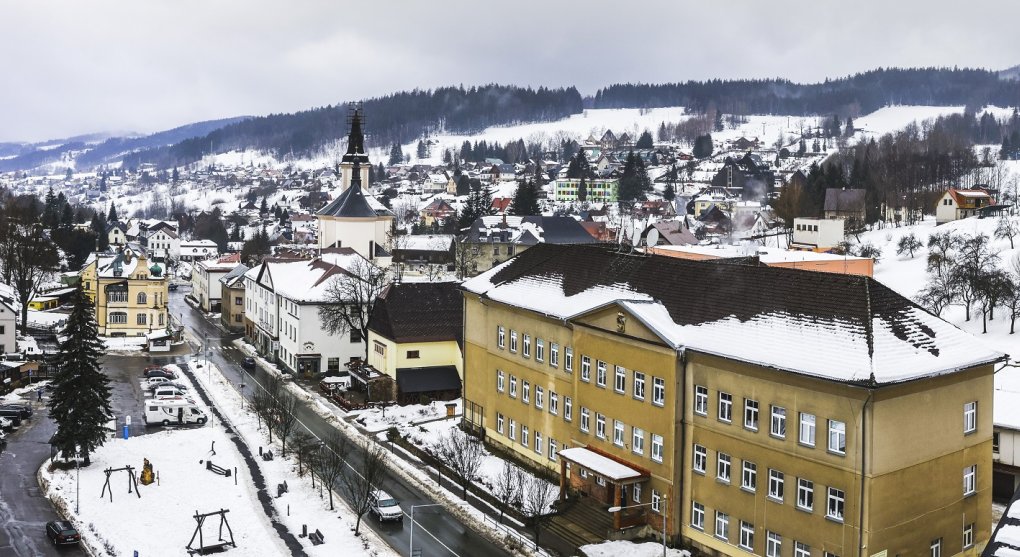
[652, 239]
[636, 238]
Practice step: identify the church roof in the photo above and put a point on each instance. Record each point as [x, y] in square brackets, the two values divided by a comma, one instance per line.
[352, 202]
[356, 142]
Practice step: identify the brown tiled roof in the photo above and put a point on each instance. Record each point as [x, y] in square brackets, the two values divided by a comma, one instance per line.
[419, 312]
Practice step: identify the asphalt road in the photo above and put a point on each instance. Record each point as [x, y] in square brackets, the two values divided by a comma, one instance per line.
[436, 532]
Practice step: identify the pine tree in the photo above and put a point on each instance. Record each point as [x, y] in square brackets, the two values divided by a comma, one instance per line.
[264, 208]
[422, 150]
[645, 141]
[849, 130]
[582, 190]
[112, 216]
[525, 200]
[80, 403]
[396, 154]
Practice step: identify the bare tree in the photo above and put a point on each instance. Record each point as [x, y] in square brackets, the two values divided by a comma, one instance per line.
[262, 404]
[331, 461]
[1007, 228]
[304, 446]
[361, 478]
[349, 298]
[466, 257]
[508, 486]
[28, 257]
[462, 453]
[937, 294]
[908, 244]
[536, 496]
[1011, 296]
[284, 407]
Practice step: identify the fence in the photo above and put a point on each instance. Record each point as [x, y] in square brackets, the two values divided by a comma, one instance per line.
[515, 538]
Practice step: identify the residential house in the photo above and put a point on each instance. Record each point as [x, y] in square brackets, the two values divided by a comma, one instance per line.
[817, 234]
[116, 233]
[8, 326]
[128, 293]
[749, 176]
[413, 252]
[197, 250]
[162, 242]
[958, 204]
[842, 203]
[232, 298]
[437, 212]
[765, 416]
[414, 336]
[671, 233]
[492, 240]
[281, 309]
[205, 280]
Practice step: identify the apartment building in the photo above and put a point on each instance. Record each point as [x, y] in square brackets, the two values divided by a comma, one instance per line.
[765, 410]
[206, 287]
[129, 295]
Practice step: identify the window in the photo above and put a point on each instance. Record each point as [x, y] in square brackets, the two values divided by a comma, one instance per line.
[600, 426]
[749, 477]
[773, 544]
[495, 249]
[538, 442]
[499, 423]
[701, 400]
[142, 298]
[413, 354]
[539, 350]
[995, 438]
[807, 429]
[140, 319]
[116, 295]
[722, 467]
[639, 385]
[698, 515]
[513, 386]
[237, 300]
[333, 364]
[725, 407]
[936, 548]
[527, 345]
[620, 380]
[805, 494]
[539, 397]
[700, 458]
[568, 359]
[356, 335]
[776, 481]
[751, 414]
[500, 337]
[969, 480]
[658, 391]
[657, 447]
[525, 392]
[585, 419]
[118, 317]
[380, 348]
[656, 500]
[837, 498]
[568, 409]
[837, 437]
[722, 525]
[500, 380]
[968, 535]
[513, 340]
[637, 440]
[552, 449]
[746, 535]
[554, 354]
[585, 368]
[618, 433]
[778, 428]
[600, 373]
[513, 430]
[554, 403]
[524, 436]
[801, 550]
[970, 417]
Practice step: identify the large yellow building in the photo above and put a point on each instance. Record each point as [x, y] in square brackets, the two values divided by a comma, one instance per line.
[129, 294]
[765, 410]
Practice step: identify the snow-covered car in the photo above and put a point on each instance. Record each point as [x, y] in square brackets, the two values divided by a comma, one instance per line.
[154, 382]
[385, 507]
[6, 424]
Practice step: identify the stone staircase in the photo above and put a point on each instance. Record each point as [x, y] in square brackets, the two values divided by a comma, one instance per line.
[581, 522]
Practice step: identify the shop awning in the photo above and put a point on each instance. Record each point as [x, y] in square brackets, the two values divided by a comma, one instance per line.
[601, 465]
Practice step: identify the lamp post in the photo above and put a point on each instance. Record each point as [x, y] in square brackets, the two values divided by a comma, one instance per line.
[410, 552]
[662, 504]
[77, 480]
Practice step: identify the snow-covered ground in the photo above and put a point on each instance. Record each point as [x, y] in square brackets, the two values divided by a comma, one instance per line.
[122, 344]
[24, 393]
[630, 549]
[892, 118]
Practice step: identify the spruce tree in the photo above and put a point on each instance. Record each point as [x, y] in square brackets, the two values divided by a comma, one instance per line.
[582, 191]
[80, 403]
[396, 154]
[112, 216]
[525, 202]
[645, 141]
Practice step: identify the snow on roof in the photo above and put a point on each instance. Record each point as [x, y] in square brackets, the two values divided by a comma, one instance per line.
[599, 464]
[765, 255]
[306, 280]
[1006, 407]
[859, 331]
[427, 242]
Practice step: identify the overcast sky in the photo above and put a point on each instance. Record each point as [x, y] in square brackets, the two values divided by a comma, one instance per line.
[77, 66]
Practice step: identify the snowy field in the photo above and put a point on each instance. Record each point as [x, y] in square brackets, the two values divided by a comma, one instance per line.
[630, 549]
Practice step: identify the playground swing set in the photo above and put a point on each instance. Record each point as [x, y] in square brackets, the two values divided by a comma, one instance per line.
[216, 547]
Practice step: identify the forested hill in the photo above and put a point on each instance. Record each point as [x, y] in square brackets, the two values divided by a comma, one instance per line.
[400, 117]
[857, 94]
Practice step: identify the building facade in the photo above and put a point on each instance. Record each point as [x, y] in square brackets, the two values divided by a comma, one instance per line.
[958, 204]
[602, 190]
[754, 408]
[232, 298]
[206, 287]
[129, 294]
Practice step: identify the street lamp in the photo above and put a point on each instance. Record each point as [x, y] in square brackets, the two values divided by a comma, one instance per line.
[77, 481]
[662, 504]
[410, 551]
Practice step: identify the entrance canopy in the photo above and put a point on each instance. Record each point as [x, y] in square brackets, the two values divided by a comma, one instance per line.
[603, 466]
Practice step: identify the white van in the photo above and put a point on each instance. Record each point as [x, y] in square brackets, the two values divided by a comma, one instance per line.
[168, 391]
[173, 411]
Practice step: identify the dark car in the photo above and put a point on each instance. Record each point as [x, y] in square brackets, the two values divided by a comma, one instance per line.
[248, 363]
[13, 415]
[61, 532]
[171, 287]
[149, 374]
[24, 409]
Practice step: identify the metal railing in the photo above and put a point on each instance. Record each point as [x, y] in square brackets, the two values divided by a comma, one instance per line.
[514, 537]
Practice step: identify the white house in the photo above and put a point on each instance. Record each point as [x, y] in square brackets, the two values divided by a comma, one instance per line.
[163, 243]
[959, 204]
[194, 250]
[205, 280]
[1006, 434]
[8, 327]
[282, 300]
[817, 234]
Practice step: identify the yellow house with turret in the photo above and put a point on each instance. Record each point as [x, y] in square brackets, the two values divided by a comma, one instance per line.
[129, 294]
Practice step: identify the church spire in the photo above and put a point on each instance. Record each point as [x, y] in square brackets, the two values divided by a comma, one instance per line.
[356, 141]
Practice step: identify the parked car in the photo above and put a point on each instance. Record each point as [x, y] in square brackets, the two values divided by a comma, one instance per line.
[171, 287]
[12, 415]
[24, 409]
[167, 391]
[385, 507]
[157, 371]
[3, 438]
[61, 532]
[248, 363]
[6, 424]
[153, 382]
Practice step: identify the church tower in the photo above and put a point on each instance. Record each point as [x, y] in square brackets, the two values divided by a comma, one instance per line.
[355, 153]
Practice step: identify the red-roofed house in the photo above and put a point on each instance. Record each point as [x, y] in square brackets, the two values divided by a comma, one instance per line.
[500, 205]
[958, 204]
